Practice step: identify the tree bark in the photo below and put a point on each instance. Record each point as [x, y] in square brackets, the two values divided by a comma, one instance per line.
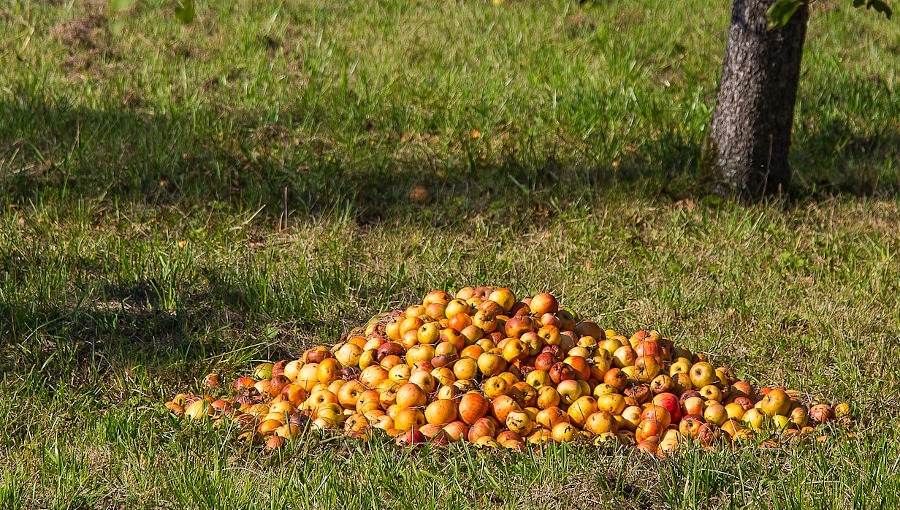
[746, 152]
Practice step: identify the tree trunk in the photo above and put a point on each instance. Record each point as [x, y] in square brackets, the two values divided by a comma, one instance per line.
[746, 152]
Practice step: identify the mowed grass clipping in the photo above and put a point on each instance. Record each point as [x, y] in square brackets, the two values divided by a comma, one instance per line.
[145, 168]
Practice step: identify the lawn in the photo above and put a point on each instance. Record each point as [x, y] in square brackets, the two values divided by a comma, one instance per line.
[180, 200]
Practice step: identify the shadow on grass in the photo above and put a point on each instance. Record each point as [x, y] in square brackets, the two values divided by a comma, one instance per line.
[51, 148]
[146, 322]
[835, 160]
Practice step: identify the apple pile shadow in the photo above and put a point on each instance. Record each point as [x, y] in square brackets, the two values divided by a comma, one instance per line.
[485, 367]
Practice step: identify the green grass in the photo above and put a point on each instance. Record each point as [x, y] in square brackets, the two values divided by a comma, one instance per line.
[143, 169]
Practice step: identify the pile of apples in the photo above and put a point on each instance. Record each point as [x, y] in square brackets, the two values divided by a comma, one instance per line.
[484, 367]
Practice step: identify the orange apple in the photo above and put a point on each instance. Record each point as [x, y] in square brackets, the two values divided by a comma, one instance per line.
[472, 407]
[408, 418]
[503, 405]
[600, 422]
[410, 395]
[441, 412]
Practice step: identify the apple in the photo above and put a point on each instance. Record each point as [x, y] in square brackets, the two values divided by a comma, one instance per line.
[715, 413]
[400, 373]
[515, 350]
[755, 419]
[390, 349]
[734, 410]
[560, 371]
[549, 416]
[732, 427]
[316, 354]
[368, 358]
[441, 412]
[483, 427]
[428, 333]
[408, 419]
[371, 376]
[775, 402]
[662, 383]
[349, 394]
[472, 407]
[424, 380]
[543, 303]
[702, 373]
[277, 384]
[587, 342]
[518, 325]
[491, 364]
[689, 426]
[610, 345]
[569, 391]
[456, 430]
[465, 292]
[693, 405]
[631, 417]
[842, 410]
[523, 393]
[503, 297]
[616, 378]
[348, 355]
[647, 429]
[414, 311]
[612, 403]
[502, 405]
[670, 402]
[742, 389]
[508, 435]
[273, 443]
[494, 387]
[637, 394]
[519, 422]
[550, 334]
[646, 368]
[624, 356]
[583, 407]
[708, 434]
[544, 361]
[460, 321]
[410, 395]
[548, 397]
[579, 364]
[711, 392]
[600, 422]
[821, 413]
[657, 413]
[538, 378]
[465, 369]
[564, 432]
[410, 437]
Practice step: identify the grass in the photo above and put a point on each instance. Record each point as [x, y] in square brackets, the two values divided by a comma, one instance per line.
[144, 168]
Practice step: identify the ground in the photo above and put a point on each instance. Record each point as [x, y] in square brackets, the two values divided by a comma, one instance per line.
[182, 200]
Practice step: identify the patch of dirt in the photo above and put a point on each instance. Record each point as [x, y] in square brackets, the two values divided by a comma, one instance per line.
[89, 42]
[84, 33]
